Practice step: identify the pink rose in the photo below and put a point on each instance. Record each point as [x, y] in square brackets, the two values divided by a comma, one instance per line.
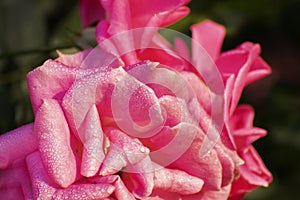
[136, 118]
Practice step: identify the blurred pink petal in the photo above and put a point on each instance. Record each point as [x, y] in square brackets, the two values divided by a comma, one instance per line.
[17, 144]
[91, 11]
[54, 143]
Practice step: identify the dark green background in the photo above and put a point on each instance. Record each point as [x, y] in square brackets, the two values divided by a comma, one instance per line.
[31, 30]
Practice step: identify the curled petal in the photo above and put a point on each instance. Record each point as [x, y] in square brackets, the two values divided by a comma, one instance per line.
[17, 144]
[54, 143]
[252, 174]
[246, 66]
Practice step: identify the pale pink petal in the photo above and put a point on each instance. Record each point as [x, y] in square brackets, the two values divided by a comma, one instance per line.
[92, 138]
[42, 185]
[17, 144]
[91, 11]
[54, 143]
[210, 36]
[172, 180]
[85, 192]
[121, 192]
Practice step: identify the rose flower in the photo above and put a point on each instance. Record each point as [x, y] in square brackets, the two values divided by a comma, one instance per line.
[137, 117]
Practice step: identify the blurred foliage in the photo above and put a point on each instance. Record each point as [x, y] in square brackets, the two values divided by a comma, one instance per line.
[31, 31]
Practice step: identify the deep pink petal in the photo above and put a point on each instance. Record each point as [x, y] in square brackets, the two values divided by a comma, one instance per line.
[242, 117]
[245, 137]
[157, 13]
[245, 65]
[210, 36]
[17, 144]
[53, 135]
[252, 174]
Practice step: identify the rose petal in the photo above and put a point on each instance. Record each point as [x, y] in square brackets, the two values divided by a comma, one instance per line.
[91, 11]
[172, 180]
[15, 179]
[121, 192]
[51, 80]
[54, 143]
[139, 178]
[85, 192]
[92, 138]
[42, 185]
[123, 151]
[17, 144]
[210, 36]
[222, 193]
